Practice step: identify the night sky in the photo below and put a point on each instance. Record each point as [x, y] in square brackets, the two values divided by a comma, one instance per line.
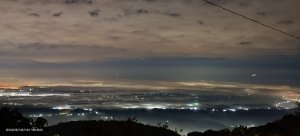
[150, 43]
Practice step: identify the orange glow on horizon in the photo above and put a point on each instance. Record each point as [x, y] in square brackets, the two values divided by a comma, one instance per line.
[8, 86]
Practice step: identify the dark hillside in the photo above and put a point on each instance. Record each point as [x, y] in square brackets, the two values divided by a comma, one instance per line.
[108, 128]
[289, 125]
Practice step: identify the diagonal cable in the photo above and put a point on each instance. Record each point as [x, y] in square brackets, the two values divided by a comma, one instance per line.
[250, 19]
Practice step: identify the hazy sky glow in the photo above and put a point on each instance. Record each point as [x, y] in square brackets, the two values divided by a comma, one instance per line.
[53, 42]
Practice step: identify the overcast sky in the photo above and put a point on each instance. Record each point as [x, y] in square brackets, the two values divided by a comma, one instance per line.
[58, 41]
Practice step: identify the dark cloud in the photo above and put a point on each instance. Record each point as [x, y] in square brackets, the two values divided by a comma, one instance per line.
[200, 22]
[174, 14]
[112, 19]
[262, 14]
[94, 13]
[58, 14]
[78, 1]
[142, 11]
[285, 22]
[34, 14]
[53, 47]
[39, 46]
[244, 4]
[245, 43]
[150, 0]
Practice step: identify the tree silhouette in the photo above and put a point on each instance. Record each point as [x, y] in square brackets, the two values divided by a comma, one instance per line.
[239, 131]
[40, 123]
[11, 121]
[298, 109]
[166, 125]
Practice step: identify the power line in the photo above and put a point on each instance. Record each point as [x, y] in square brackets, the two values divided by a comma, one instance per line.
[255, 21]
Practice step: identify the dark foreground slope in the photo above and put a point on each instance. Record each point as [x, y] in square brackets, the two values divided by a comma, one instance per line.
[108, 128]
[12, 123]
[289, 125]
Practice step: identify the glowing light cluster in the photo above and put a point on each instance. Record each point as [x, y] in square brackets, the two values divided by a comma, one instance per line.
[63, 107]
[29, 94]
[287, 103]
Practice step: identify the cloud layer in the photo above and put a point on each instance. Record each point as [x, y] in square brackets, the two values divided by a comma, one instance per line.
[82, 30]
[58, 41]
